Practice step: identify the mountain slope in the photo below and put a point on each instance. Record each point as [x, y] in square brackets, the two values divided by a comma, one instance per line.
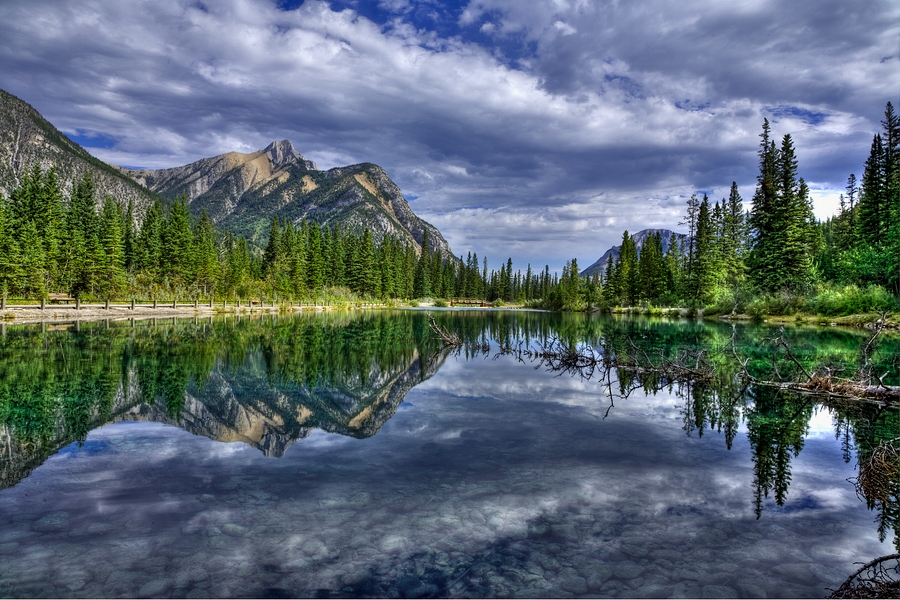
[27, 138]
[241, 193]
[640, 237]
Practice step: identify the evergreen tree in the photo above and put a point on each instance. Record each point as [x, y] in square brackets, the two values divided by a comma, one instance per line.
[82, 240]
[422, 281]
[129, 238]
[148, 253]
[178, 243]
[273, 248]
[782, 221]
[10, 260]
[315, 259]
[207, 257]
[111, 266]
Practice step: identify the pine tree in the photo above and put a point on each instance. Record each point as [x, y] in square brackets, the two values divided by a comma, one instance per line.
[148, 253]
[81, 234]
[10, 259]
[129, 238]
[273, 248]
[110, 280]
[422, 281]
[315, 260]
[207, 257]
[782, 221]
[178, 255]
[872, 218]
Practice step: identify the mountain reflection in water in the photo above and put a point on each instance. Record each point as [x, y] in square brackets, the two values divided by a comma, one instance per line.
[268, 382]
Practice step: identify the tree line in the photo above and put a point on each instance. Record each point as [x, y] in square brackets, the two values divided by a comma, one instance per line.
[777, 248]
[729, 257]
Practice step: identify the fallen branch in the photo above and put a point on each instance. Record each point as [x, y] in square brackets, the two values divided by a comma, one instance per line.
[449, 339]
[872, 580]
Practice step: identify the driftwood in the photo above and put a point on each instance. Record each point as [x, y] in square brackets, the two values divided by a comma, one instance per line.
[449, 340]
[875, 579]
[822, 381]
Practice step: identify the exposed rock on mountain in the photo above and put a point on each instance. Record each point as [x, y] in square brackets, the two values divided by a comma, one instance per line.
[241, 193]
[26, 138]
[640, 238]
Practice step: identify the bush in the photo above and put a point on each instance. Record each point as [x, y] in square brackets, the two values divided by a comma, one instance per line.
[850, 299]
[440, 303]
[782, 304]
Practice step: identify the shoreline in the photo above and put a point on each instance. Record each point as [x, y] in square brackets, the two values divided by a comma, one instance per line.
[21, 315]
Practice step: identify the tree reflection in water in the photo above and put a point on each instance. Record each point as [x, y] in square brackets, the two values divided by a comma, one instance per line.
[270, 381]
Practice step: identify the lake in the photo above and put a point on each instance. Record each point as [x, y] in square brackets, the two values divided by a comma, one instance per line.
[347, 455]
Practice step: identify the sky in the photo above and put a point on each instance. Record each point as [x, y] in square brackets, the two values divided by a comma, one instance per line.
[537, 130]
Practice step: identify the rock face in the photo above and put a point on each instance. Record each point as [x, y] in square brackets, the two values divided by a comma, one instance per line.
[640, 238]
[241, 193]
[26, 139]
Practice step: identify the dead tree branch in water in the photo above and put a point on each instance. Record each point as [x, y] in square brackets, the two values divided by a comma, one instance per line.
[585, 360]
[822, 381]
[448, 339]
[875, 579]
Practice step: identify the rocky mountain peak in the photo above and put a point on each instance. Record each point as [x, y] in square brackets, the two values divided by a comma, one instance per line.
[283, 152]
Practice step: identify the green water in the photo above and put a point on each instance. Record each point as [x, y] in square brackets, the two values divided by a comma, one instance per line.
[347, 454]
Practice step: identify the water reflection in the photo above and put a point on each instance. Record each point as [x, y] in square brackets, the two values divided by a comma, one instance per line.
[491, 479]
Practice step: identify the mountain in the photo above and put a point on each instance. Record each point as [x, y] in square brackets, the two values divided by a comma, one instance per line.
[242, 192]
[27, 138]
[640, 237]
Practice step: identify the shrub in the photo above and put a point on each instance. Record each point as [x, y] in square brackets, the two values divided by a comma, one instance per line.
[850, 299]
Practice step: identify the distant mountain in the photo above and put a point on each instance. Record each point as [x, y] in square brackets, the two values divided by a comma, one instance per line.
[639, 238]
[241, 193]
[27, 138]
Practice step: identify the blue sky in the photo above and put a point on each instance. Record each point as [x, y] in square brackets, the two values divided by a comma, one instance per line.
[534, 130]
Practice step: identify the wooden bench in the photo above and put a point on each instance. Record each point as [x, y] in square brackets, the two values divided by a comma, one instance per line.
[255, 301]
[57, 298]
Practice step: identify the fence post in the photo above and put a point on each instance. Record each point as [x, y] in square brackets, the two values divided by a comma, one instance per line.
[107, 308]
[3, 302]
[42, 304]
[196, 303]
[154, 303]
[132, 304]
[78, 303]
[173, 302]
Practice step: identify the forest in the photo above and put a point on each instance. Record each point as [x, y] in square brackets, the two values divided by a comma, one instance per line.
[771, 258]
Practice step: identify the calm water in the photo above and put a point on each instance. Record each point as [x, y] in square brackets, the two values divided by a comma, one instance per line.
[345, 455]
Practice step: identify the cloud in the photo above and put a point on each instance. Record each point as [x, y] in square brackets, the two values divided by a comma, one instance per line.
[536, 130]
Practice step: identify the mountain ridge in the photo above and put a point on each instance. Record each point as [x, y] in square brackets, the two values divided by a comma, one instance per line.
[599, 266]
[242, 192]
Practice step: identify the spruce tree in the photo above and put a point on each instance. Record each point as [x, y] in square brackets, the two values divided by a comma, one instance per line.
[10, 260]
[178, 255]
[81, 236]
[207, 257]
[111, 266]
